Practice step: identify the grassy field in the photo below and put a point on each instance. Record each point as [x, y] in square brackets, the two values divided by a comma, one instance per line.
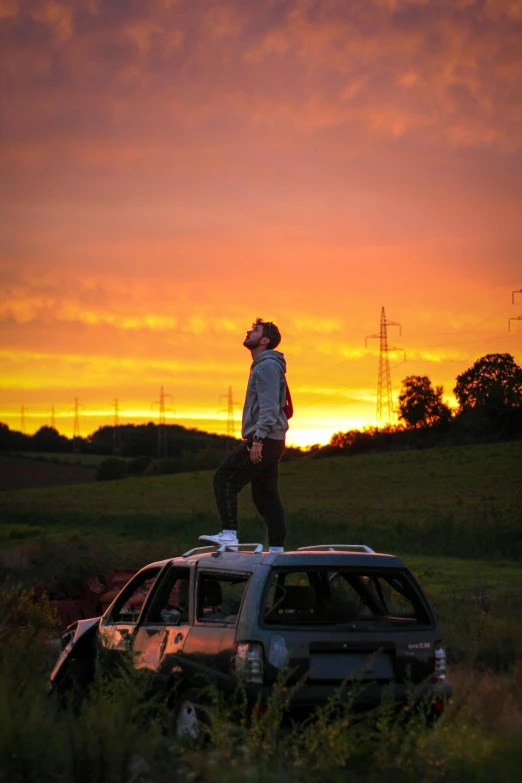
[18, 473]
[462, 502]
[455, 515]
[66, 458]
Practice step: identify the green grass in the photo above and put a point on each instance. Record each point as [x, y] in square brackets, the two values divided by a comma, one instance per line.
[462, 502]
[440, 575]
[479, 605]
[64, 457]
[454, 514]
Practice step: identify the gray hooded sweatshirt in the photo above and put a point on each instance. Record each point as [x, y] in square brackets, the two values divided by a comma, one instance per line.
[265, 397]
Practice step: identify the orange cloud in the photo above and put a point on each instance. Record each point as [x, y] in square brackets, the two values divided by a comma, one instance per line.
[330, 46]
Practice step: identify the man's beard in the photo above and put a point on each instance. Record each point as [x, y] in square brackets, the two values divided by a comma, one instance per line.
[250, 342]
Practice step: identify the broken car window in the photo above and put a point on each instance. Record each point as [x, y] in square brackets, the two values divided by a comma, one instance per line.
[219, 596]
[171, 605]
[129, 603]
[337, 598]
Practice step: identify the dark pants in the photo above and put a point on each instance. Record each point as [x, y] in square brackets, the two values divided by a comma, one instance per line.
[236, 472]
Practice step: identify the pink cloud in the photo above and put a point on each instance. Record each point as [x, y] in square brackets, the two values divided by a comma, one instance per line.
[186, 63]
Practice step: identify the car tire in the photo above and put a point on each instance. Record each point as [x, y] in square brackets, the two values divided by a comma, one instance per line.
[188, 718]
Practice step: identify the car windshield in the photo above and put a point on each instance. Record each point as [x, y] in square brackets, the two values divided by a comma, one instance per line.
[348, 598]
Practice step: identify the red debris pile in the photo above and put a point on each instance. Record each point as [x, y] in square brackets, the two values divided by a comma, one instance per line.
[74, 600]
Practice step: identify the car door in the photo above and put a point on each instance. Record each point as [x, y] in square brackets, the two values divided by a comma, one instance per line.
[209, 645]
[163, 627]
[118, 625]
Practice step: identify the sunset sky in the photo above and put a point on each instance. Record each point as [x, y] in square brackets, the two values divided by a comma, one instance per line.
[172, 169]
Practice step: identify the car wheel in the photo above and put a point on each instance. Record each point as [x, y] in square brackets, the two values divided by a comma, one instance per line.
[188, 718]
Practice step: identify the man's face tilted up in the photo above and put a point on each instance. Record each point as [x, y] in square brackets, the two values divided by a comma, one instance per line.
[254, 337]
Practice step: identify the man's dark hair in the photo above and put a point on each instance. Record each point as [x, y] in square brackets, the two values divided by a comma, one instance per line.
[270, 330]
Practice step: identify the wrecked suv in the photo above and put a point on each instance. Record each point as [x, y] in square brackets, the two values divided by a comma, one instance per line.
[328, 615]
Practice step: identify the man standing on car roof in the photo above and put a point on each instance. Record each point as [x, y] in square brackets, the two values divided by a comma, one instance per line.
[256, 460]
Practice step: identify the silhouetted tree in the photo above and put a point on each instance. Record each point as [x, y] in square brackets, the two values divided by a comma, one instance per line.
[49, 439]
[12, 440]
[357, 441]
[142, 440]
[492, 386]
[420, 405]
[101, 441]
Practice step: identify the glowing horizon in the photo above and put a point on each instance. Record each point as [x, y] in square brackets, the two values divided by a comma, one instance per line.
[208, 419]
[90, 421]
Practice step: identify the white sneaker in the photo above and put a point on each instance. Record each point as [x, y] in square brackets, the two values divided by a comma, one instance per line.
[274, 550]
[226, 537]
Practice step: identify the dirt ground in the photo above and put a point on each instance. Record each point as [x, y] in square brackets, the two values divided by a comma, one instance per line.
[20, 473]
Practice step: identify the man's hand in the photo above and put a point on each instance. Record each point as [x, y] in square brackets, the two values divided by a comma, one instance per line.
[256, 453]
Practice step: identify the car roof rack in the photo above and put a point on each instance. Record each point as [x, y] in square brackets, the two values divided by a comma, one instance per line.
[335, 547]
[219, 549]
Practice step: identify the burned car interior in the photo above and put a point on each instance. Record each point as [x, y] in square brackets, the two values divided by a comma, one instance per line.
[325, 597]
[219, 597]
[127, 607]
[171, 604]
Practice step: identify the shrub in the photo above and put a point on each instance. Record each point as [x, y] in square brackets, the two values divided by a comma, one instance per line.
[19, 608]
[139, 465]
[111, 469]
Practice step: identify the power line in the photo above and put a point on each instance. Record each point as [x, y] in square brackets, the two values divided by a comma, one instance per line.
[487, 317]
[467, 342]
[515, 317]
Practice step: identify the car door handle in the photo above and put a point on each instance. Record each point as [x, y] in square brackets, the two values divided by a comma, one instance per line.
[178, 638]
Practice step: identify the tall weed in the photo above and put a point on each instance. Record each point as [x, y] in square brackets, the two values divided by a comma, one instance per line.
[121, 730]
[19, 609]
[482, 630]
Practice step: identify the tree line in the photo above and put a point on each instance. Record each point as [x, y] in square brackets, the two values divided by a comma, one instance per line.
[127, 440]
[489, 397]
[132, 449]
[490, 390]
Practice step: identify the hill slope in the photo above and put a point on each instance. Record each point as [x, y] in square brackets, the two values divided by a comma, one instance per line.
[463, 501]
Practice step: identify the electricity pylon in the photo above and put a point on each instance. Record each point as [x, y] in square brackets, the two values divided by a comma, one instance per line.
[76, 427]
[163, 447]
[231, 425]
[22, 418]
[385, 412]
[52, 418]
[116, 439]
